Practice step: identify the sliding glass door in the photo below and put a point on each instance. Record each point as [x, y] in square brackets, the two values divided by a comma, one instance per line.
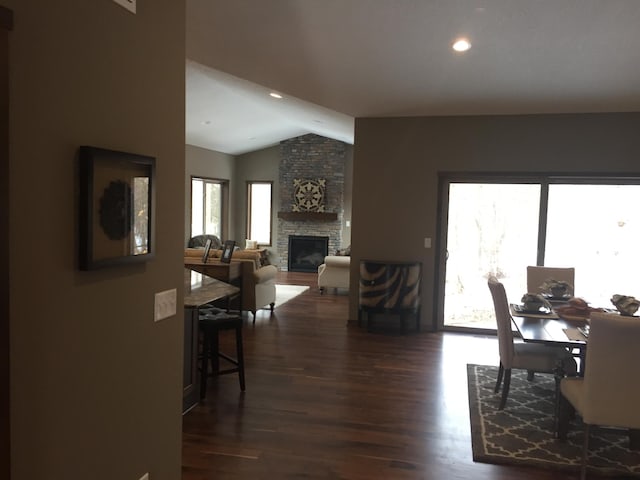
[596, 229]
[492, 230]
[498, 226]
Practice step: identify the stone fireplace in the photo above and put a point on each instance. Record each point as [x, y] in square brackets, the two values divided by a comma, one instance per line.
[311, 157]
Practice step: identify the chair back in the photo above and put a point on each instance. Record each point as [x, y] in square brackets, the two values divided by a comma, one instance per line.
[536, 276]
[611, 395]
[201, 240]
[503, 321]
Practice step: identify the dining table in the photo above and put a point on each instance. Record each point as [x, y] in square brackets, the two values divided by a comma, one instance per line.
[550, 329]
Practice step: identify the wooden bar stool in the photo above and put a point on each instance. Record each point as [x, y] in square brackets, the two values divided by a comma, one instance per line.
[211, 321]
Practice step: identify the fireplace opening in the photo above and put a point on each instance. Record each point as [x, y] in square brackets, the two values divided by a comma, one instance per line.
[307, 252]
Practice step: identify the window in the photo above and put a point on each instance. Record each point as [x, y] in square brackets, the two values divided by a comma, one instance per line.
[501, 224]
[209, 198]
[259, 212]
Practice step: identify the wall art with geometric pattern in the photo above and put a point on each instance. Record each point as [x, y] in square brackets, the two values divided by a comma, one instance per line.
[308, 195]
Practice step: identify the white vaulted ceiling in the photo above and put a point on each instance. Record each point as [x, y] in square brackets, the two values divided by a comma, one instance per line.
[335, 60]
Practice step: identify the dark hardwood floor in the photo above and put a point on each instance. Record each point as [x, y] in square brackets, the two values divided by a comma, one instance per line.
[328, 400]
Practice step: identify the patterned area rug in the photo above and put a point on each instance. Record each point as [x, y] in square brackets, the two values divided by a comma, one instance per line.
[523, 433]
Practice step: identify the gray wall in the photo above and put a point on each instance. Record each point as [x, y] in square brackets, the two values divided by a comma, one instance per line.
[200, 162]
[96, 385]
[397, 160]
[261, 165]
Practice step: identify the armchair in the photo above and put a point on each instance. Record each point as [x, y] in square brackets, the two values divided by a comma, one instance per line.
[334, 272]
[199, 241]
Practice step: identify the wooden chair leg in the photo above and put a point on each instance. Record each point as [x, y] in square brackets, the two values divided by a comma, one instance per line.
[564, 410]
[240, 357]
[505, 388]
[634, 439]
[204, 363]
[499, 379]
[206, 359]
[530, 375]
[214, 349]
[585, 452]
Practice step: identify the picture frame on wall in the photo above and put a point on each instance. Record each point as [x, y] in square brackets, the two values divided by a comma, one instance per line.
[117, 208]
[227, 251]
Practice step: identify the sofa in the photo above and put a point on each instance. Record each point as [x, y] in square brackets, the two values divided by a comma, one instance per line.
[258, 280]
[334, 272]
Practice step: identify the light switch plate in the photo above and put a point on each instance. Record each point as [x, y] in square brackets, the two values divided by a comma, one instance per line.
[165, 304]
[128, 4]
[427, 242]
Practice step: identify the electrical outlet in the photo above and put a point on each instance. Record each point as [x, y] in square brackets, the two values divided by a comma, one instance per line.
[165, 304]
[427, 242]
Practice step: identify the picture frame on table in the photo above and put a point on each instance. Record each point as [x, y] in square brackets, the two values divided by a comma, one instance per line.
[116, 208]
[227, 251]
[207, 248]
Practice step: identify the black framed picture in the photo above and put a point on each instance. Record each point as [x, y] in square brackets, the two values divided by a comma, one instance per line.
[207, 248]
[117, 197]
[227, 251]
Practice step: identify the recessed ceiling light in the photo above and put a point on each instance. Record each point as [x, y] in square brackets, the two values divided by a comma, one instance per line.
[275, 95]
[461, 45]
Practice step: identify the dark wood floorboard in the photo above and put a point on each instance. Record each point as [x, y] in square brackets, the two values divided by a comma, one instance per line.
[325, 399]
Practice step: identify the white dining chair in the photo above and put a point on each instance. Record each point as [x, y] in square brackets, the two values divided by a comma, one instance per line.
[609, 393]
[527, 356]
[537, 275]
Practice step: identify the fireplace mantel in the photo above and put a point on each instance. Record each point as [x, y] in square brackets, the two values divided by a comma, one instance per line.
[308, 216]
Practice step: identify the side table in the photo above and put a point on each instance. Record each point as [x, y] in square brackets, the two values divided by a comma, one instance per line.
[389, 287]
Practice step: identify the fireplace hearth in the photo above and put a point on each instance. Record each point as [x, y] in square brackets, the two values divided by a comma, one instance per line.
[307, 252]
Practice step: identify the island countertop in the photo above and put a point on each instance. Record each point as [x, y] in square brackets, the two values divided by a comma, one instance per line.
[200, 289]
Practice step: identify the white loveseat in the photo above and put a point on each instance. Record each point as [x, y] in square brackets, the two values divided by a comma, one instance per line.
[334, 272]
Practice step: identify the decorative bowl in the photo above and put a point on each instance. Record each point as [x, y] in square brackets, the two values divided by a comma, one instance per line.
[625, 304]
[532, 301]
[556, 288]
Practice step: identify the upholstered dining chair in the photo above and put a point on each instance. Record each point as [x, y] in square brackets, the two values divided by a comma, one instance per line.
[527, 356]
[536, 276]
[609, 393]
